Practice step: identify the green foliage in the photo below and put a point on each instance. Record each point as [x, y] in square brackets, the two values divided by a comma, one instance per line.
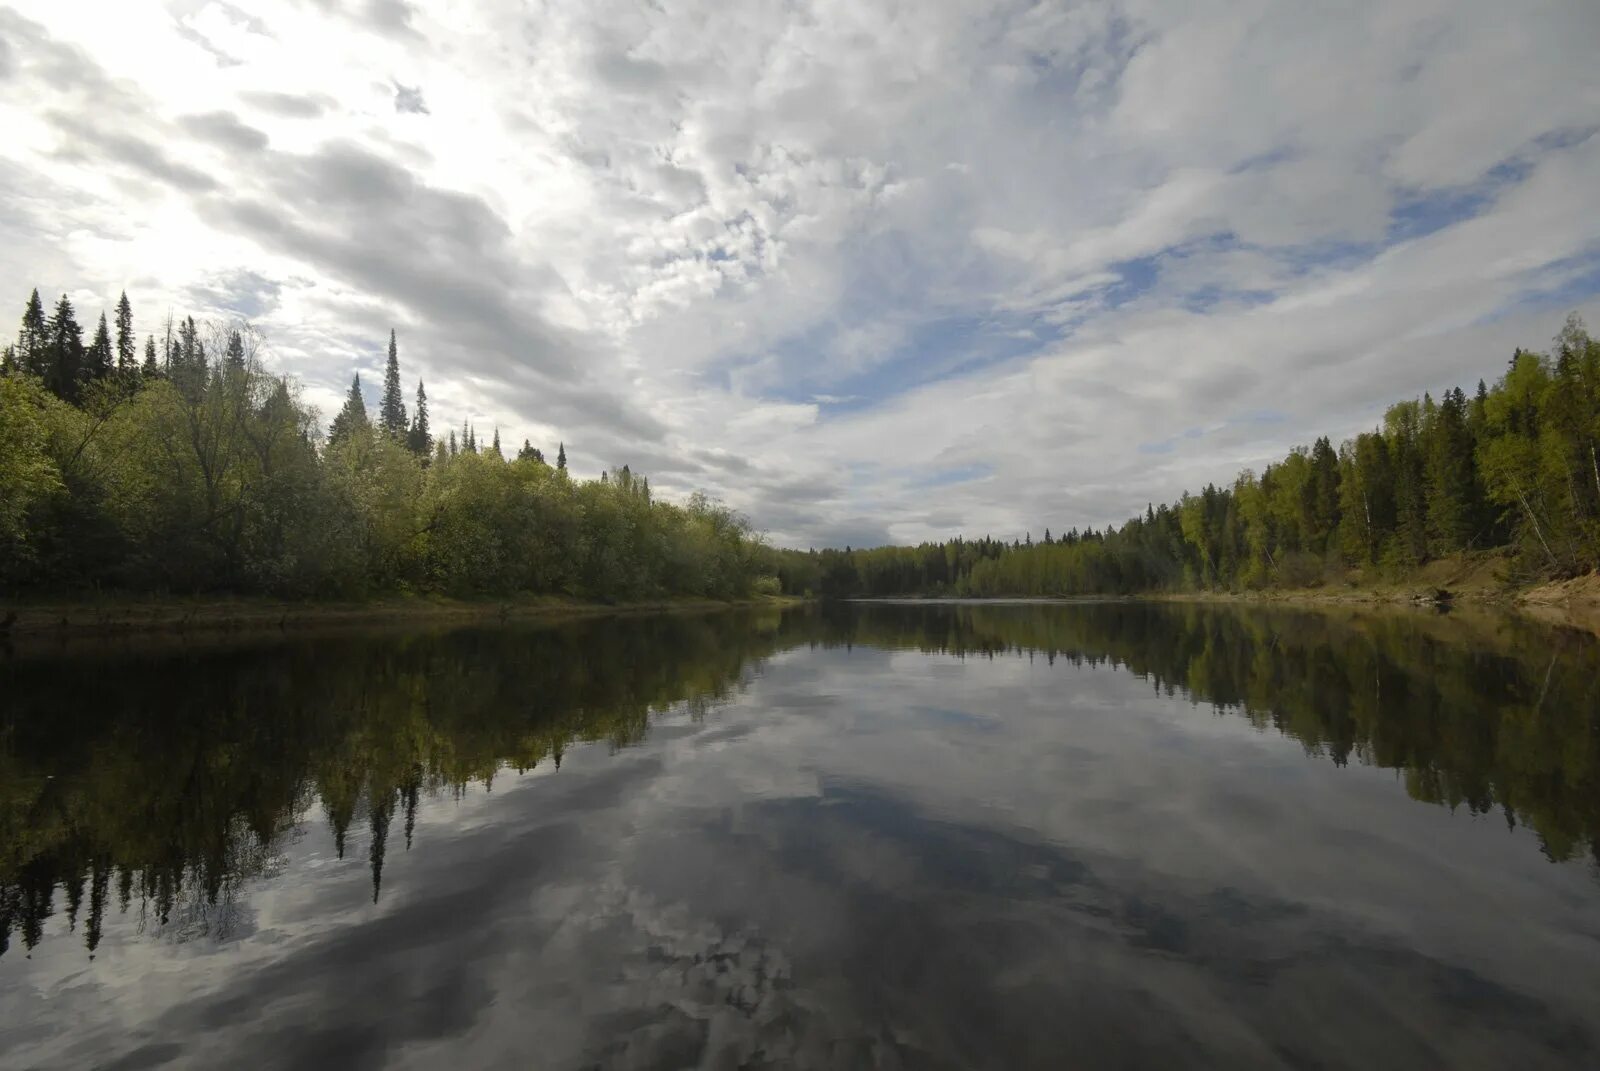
[202, 476]
[1519, 464]
[29, 475]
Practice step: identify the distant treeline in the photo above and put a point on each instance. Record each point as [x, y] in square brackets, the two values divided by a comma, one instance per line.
[1514, 466]
[191, 469]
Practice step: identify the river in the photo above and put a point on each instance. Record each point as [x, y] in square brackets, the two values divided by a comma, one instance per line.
[854, 835]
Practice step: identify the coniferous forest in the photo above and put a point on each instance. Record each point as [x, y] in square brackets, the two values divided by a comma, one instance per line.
[1513, 466]
[182, 466]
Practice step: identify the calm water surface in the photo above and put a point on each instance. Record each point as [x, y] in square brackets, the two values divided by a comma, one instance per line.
[853, 836]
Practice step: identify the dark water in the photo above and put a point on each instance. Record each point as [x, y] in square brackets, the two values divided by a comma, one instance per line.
[854, 836]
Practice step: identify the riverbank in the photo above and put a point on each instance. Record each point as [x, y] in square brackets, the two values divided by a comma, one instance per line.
[1479, 582]
[116, 616]
[1482, 579]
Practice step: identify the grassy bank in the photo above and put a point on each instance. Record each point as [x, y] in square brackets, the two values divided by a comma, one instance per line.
[1482, 579]
[113, 615]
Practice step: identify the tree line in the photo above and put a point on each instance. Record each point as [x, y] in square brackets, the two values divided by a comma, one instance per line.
[191, 468]
[1513, 467]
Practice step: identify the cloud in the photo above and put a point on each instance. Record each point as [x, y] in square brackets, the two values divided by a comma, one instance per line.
[288, 105]
[794, 247]
[224, 129]
[408, 100]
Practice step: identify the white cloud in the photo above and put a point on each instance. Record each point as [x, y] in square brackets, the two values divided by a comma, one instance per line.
[799, 255]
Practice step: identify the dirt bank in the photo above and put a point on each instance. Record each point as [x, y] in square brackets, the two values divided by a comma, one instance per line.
[1566, 602]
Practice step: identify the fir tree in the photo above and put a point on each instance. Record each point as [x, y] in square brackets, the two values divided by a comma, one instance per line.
[1324, 494]
[454, 448]
[151, 368]
[529, 452]
[1451, 477]
[126, 346]
[65, 361]
[187, 363]
[352, 419]
[561, 458]
[97, 363]
[235, 355]
[392, 411]
[33, 341]
[494, 446]
[419, 438]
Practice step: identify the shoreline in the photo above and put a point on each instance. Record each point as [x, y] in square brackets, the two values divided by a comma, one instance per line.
[116, 616]
[1571, 603]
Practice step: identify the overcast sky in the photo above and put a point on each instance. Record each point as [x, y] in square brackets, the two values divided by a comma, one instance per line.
[869, 272]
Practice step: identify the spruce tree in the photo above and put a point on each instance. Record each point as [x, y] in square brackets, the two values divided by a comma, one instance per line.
[33, 341]
[392, 410]
[352, 419]
[1451, 477]
[126, 347]
[65, 361]
[1324, 492]
[494, 447]
[151, 368]
[418, 438]
[561, 458]
[98, 361]
[235, 354]
[188, 359]
[8, 360]
[454, 446]
[529, 452]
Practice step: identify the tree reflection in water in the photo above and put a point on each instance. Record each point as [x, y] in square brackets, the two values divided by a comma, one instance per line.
[163, 780]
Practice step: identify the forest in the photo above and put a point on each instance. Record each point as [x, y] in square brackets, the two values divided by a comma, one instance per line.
[184, 466]
[1513, 467]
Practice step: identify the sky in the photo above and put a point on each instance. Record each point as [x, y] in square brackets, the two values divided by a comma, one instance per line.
[868, 272]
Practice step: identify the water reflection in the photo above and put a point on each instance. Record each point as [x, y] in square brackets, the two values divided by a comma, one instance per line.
[845, 835]
[158, 783]
[176, 776]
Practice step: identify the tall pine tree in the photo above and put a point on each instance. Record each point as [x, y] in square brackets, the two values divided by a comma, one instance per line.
[561, 458]
[33, 341]
[418, 438]
[98, 361]
[187, 360]
[235, 355]
[392, 410]
[1451, 478]
[64, 363]
[126, 346]
[352, 419]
